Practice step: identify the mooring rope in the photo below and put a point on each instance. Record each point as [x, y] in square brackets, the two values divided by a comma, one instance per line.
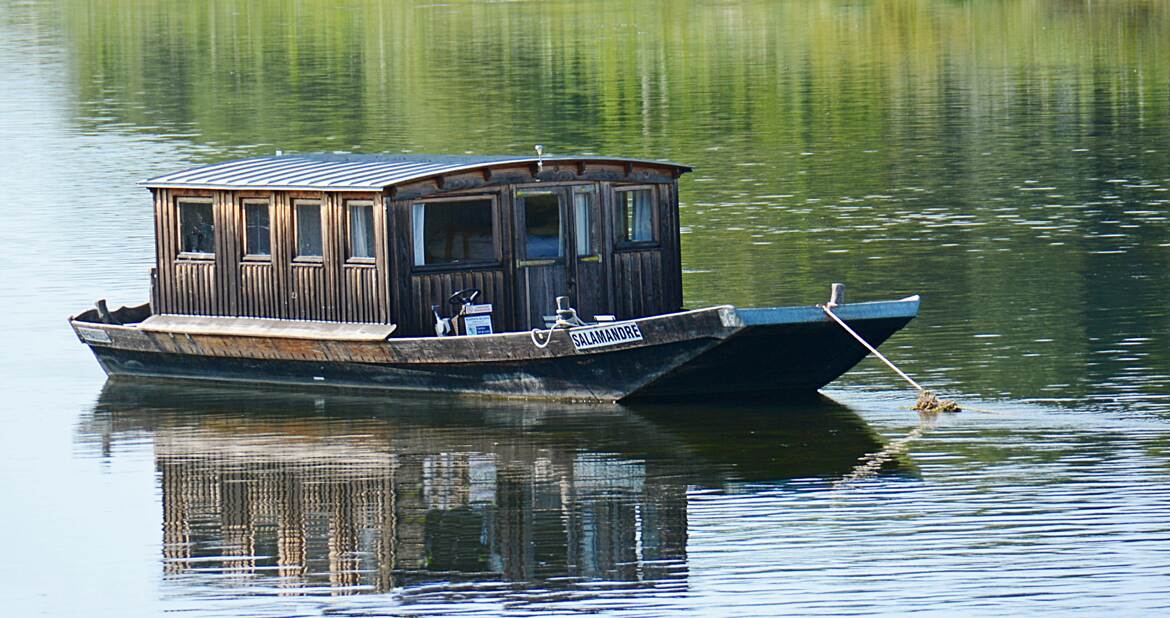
[873, 350]
[547, 340]
[927, 401]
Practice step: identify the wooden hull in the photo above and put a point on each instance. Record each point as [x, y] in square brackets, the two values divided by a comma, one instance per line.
[705, 352]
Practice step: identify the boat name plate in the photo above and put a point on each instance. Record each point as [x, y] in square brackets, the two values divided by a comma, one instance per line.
[93, 335]
[605, 335]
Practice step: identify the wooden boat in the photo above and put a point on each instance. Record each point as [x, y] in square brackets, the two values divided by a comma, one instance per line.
[337, 270]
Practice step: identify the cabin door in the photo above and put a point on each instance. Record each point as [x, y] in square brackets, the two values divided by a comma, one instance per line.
[557, 253]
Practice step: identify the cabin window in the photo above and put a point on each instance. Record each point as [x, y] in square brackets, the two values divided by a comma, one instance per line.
[453, 232]
[257, 230]
[583, 203]
[542, 226]
[196, 226]
[308, 215]
[361, 229]
[636, 216]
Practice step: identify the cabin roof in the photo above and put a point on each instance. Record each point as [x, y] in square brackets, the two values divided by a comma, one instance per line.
[350, 172]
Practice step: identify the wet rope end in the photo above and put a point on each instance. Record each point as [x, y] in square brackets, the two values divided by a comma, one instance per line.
[930, 403]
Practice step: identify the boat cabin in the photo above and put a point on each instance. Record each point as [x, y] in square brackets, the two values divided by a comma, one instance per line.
[385, 239]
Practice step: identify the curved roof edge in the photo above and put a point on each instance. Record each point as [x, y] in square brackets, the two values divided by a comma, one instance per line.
[352, 172]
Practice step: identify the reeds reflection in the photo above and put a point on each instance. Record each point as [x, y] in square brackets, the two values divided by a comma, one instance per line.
[288, 492]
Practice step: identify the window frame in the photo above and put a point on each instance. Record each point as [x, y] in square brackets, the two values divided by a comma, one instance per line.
[350, 258]
[199, 256]
[620, 229]
[296, 225]
[562, 219]
[595, 231]
[497, 246]
[247, 256]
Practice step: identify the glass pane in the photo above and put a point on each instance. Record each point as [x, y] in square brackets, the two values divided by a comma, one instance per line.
[583, 215]
[196, 227]
[638, 215]
[361, 230]
[542, 226]
[452, 232]
[308, 229]
[257, 240]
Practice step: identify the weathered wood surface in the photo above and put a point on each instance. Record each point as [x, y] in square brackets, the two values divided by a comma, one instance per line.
[638, 285]
[414, 350]
[590, 288]
[434, 288]
[537, 287]
[552, 172]
[229, 283]
[265, 327]
[627, 281]
[121, 315]
[260, 293]
[508, 365]
[707, 351]
[647, 277]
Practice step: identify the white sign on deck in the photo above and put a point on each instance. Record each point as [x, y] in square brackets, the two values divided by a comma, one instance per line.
[605, 335]
[478, 324]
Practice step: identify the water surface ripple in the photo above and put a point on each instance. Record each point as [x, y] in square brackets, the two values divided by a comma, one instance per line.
[477, 507]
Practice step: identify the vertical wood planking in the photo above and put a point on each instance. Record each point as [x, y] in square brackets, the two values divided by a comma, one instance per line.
[329, 304]
[281, 255]
[640, 288]
[164, 265]
[361, 301]
[544, 284]
[646, 281]
[632, 282]
[434, 289]
[672, 256]
[227, 254]
[361, 288]
[505, 316]
[258, 281]
[399, 250]
[383, 234]
[608, 259]
[309, 292]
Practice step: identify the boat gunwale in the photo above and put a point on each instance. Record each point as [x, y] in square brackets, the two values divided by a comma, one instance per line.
[743, 317]
[715, 322]
[710, 323]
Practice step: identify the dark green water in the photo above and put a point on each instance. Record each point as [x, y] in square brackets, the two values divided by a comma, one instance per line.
[1007, 160]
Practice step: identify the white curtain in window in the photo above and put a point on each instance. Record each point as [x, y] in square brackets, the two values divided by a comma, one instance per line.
[309, 229]
[360, 223]
[643, 216]
[581, 202]
[420, 243]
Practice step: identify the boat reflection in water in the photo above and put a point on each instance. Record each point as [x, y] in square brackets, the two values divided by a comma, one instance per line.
[280, 492]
